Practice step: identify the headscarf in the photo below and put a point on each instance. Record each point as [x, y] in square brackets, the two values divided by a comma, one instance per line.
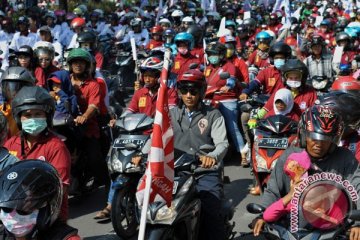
[284, 95]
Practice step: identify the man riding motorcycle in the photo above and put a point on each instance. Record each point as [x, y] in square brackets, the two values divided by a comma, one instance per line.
[320, 140]
[194, 125]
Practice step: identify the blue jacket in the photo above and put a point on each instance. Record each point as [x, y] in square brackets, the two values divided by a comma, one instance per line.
[66, 94]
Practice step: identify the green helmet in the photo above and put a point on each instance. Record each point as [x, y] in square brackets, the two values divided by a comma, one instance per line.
[79, 53]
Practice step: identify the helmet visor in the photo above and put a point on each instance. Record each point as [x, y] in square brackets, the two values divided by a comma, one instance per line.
[10, 88]
[320, 137]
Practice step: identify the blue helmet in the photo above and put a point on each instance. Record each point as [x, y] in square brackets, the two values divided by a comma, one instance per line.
[185, 37]
[353, 32]
[325, 22]
[263, 37]
[230, 23]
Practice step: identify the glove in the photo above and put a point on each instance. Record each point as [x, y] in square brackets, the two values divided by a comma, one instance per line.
[261, 113]
[252, 123]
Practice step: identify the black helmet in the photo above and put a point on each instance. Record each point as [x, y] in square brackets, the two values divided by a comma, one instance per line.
[13, 79]
[25, 50]
[342, 36]
[320, 123]
[216, 48]
[197, 32]
[345, 104]
[33, 98]
[280, 48]
[317, 40]
[88, 36]
[295, 65]
[23, 20]
[250, 23]
[3, 128]
[30, 185]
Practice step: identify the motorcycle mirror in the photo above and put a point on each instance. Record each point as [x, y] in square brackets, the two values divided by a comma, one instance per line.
[255, 208]
[357, 58]
[131, 146]
[354, 215]
[224, 75]
[193, 66]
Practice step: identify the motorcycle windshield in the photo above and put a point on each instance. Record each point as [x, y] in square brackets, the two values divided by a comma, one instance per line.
[277, 124]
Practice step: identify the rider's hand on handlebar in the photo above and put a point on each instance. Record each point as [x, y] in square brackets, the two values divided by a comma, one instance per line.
[243, 96]
[259, 225]
[80, 120]
[252, 123]
[355, 233]
[224, 89]
[207, 162]
[136, 160]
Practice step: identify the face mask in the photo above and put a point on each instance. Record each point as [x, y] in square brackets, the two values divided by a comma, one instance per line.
[229, 53]
[19, 225]
[293, 84]
[278, 63]
[183, 51]
[214, 60]
[34, 126]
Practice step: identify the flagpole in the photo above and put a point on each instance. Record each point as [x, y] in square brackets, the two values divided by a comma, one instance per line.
[145, 206]
[142, 227]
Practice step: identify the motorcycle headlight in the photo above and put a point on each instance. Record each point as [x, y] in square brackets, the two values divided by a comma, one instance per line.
[185, 188]
[117, 165]
[166, 215]
[319, 85]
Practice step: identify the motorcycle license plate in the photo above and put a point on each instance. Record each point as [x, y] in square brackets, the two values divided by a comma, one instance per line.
[121, 142]
[279, 143]
[176, 184]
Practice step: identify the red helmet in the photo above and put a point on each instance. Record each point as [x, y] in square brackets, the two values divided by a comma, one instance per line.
[346, 84]
[78, 22]
[157, 30]
[320, 122]
[192, 78]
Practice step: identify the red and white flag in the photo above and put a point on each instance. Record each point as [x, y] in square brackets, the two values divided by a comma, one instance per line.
[161, 156]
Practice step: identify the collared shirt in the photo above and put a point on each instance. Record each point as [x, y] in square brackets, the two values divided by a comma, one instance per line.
[20, 40]
[270, 79]
[320, 67]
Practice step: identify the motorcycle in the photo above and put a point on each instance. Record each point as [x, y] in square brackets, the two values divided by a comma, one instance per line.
[325, 211]
[272, 136]
[124, 174]
[321, 84]
[182, 219]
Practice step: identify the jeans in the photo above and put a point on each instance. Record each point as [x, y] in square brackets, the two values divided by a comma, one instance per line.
[231, 114]
[111, 193]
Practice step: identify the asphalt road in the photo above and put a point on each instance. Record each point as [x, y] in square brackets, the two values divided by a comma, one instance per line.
[83, 211]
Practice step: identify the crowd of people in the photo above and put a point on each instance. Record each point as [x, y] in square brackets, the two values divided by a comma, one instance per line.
[306, 61]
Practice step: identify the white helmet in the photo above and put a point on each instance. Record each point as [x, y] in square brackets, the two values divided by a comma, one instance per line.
[187, 19]
[213, 14]
[165, 20]
[177, 13]
[100, 12]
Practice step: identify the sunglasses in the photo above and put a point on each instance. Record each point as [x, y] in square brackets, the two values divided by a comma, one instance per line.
[20, 212]
[192, 91]
[44, 59]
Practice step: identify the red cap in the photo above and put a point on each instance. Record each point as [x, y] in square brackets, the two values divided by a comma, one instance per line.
[54, 79]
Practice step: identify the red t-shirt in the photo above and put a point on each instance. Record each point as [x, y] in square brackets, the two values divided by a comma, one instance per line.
[181, 63]
[102, 84]
[303, 100]
[42, 75]
[143, 102]
[243, 72]
[270, 79]
[256, 60]
[198, 52]
[89, 94]
[154, 44]
[49, 148]
[99, 58]
[212, 76]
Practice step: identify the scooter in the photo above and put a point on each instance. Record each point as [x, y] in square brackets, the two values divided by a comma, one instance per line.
[313, 224]
[124, 174]
[272, 136]
[182, 219]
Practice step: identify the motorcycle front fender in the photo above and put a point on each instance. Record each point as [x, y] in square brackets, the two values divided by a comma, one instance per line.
[158, 233]
[121, 182]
